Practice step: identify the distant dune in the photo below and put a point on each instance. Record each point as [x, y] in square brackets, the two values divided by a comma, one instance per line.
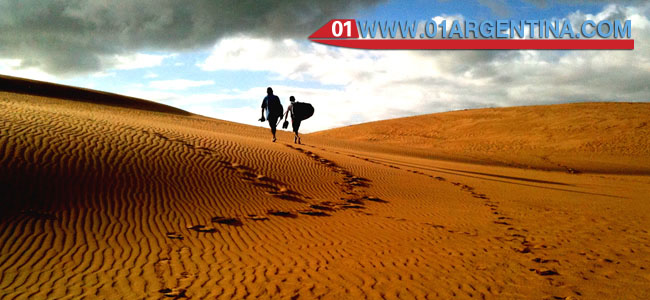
[110, 197]
[40, 88]
[597, 137]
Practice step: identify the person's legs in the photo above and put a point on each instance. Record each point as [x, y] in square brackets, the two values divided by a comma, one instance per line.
[296, 126]
[273, 124]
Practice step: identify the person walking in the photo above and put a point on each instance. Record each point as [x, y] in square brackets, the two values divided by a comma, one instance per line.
[295, 119]
[273, 108]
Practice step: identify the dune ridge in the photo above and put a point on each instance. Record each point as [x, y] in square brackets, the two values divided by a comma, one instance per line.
[48, 89]
[588, 137]
[111, 202]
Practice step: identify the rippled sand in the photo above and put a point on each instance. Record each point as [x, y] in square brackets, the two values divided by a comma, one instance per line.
[107, 201]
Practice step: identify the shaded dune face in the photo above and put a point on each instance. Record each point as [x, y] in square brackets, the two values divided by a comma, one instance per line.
[92, 190]
[111, 202]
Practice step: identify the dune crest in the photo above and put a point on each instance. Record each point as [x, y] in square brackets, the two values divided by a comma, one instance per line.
[588, 137]
[47, 89]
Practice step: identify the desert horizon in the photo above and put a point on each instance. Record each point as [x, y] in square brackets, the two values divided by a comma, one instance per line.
[423, 132]
[114, 197]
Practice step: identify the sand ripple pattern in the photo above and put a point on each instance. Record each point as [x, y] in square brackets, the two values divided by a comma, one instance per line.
[104, 202]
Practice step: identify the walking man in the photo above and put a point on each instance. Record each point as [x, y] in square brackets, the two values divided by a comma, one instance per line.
[271, 104]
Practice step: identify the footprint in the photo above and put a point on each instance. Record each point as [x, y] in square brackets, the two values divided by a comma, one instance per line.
[286, 194]
[255, 217]
[348, 206]
[523, 249]
[174, 235]
[246, 175]
[374, 199]
[269, 184]
[321, 207]
[264, 185]
[202, 228]
[436, 226]
[352, 185]
[355, 181]
[547, 272]
[353, 200]
[262, 177]
[160, 135]
[313, 213]
[289, 198]
[227, 221]
[280, 213]
[206, 149]
[173, 293]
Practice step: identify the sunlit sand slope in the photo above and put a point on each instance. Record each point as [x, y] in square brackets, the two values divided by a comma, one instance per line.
[600, 137]
[101, 201]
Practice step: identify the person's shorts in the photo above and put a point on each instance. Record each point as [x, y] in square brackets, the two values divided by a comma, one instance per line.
[295, 124]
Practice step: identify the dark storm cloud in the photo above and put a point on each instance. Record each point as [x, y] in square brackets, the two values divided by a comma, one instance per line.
[71, 36]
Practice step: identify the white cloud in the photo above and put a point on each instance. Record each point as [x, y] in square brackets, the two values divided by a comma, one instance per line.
[354, 86]
[179, 84]
[374, 85]
[104, 74]
[10, 63]
[288, 59]
[13, 67]
[150, 75]
[135, 61]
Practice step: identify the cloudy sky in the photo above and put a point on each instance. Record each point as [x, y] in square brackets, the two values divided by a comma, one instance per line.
[216, 57]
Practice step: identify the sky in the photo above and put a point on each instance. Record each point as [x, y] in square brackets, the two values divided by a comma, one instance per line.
[217, 57]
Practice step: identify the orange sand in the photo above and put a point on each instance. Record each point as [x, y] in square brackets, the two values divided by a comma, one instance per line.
[104, 201]
[591, 137]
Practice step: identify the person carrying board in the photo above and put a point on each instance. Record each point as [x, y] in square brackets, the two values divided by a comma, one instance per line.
[300, 111]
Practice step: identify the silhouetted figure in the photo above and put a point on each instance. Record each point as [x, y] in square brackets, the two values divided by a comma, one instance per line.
[299, 111]
[273, 107]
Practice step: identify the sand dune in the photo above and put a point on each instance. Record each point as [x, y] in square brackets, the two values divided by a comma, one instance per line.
[592, 137]
[40, 88]
[105, 201]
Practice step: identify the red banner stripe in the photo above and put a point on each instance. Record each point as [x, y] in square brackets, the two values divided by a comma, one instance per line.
[481, 44]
